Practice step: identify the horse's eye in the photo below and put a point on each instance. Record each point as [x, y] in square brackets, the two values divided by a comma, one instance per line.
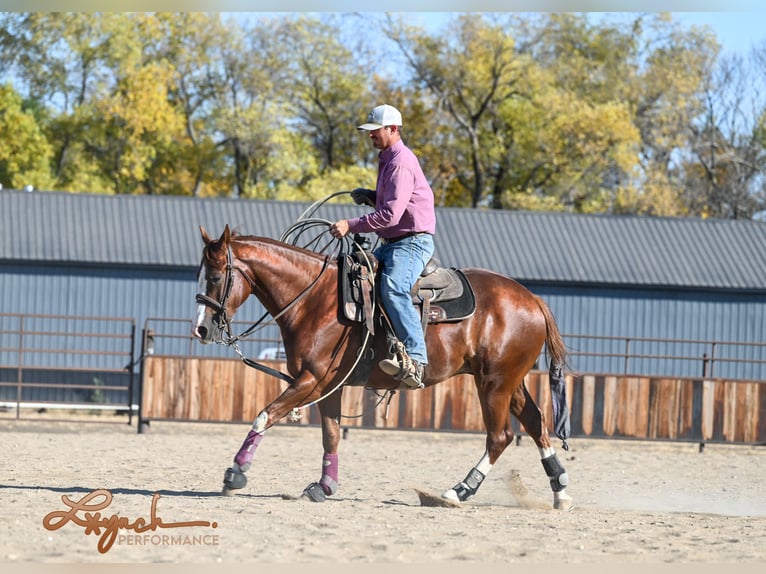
[215, 279]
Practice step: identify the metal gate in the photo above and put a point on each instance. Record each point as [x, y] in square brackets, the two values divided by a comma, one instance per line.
[60, 363]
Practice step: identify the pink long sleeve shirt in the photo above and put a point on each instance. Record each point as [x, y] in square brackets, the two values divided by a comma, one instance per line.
[404, 202]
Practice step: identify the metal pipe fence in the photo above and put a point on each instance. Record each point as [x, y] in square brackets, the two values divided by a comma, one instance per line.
[644, 356]
[593, 354]
[62, 362]
[87, 363]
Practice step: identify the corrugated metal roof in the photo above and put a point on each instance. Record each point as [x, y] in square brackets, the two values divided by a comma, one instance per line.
[56, 227]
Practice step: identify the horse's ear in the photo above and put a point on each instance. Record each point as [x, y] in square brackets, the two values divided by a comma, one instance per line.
[226, 235]
[205, 236]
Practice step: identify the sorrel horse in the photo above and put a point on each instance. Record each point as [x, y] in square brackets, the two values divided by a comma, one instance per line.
[498, 344]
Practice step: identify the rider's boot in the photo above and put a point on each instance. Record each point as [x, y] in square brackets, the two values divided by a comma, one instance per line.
[402, 367]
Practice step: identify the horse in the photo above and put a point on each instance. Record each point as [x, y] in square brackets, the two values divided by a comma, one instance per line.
[498, 344]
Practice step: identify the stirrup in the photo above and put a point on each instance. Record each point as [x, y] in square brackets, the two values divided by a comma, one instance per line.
[398, 361]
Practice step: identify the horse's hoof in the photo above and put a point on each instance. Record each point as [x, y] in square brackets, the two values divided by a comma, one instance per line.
[562, 501]
[314, 493]
[447, 500]
[450, 495]
[233, 480]
[226, 491]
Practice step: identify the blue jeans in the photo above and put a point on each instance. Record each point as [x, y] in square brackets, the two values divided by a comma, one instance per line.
[402, 263]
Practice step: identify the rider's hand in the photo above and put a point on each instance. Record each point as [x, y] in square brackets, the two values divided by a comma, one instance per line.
[362, 196]
[339, 228]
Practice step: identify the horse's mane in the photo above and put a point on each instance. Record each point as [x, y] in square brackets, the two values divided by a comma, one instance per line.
[245, 238]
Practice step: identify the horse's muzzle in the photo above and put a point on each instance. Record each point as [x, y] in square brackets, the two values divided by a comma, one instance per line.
[209, 329]
[208, 333]
[201, 333]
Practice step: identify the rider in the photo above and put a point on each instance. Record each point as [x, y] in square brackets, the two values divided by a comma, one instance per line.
[405, 220]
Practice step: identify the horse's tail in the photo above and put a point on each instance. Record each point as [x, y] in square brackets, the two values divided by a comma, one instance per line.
[554, 343]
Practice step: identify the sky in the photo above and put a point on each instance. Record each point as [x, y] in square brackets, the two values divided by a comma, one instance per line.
[736, 31]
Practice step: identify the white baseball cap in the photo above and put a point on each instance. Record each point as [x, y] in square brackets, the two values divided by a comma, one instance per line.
[380, 116]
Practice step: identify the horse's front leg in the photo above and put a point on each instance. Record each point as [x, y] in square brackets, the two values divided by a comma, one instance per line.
[297, 394]
[329, 408]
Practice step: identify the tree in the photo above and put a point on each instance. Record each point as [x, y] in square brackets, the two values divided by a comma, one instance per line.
[63, 62]
[669, 72]
[138, 121]
[324, 85]
[192, 43]
[470, 70]
[245, 110]
[517, 117]
[632, 114]
[655, 71]
[724, 167]
[24, 150]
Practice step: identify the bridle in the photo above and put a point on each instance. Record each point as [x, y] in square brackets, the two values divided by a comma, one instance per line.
[222, 320]
[221, 317]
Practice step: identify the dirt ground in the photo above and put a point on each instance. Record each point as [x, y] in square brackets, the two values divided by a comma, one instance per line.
[635, 502]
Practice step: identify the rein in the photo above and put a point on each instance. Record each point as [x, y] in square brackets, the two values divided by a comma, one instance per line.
[221, 317]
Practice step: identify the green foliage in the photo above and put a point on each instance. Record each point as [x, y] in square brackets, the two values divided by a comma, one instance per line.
[24, 150]
[332, 181]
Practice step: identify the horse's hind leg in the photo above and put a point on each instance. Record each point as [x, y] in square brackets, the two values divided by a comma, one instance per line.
[524, 408]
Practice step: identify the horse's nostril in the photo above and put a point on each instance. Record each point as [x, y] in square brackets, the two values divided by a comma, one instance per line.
[201, 332]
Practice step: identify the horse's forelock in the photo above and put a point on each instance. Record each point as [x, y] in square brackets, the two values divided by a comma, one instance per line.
[214, 254]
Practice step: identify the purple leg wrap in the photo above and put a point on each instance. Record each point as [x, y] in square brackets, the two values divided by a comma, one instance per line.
[329, 480]
[247, 450]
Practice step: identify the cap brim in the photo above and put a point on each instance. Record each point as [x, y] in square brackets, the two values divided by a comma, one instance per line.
[370, 127]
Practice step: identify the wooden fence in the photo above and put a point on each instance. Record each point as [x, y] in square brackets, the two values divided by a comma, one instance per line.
[604, 406]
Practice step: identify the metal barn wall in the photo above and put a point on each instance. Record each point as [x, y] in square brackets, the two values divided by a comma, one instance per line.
[662, 314]
[108, 291]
